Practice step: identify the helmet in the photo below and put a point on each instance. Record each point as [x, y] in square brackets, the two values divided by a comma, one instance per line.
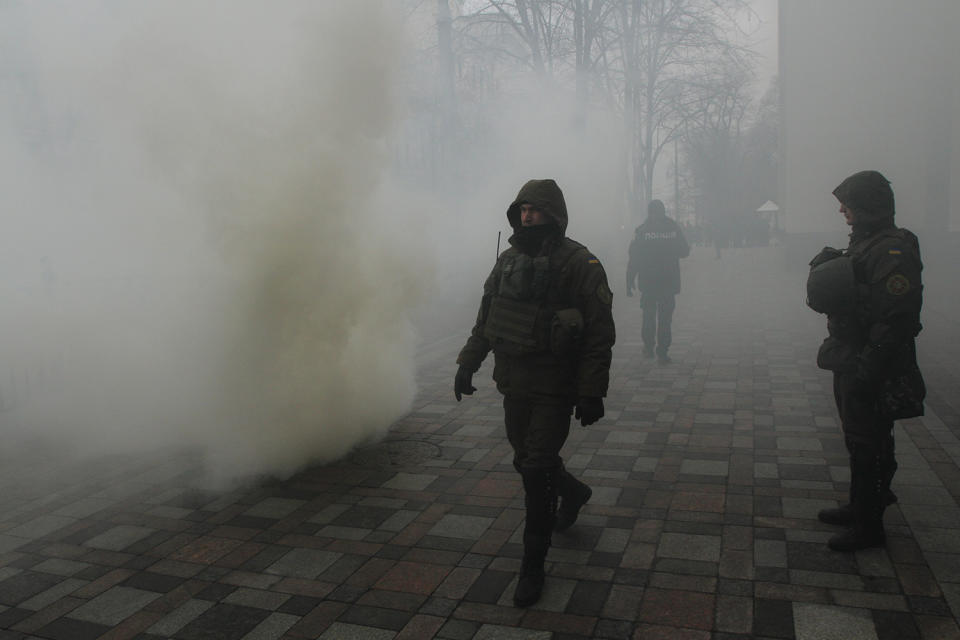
[831, 286]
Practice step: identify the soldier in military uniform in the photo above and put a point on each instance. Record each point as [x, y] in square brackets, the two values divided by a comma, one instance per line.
[546, 315]
[654, 269]
[872, 294]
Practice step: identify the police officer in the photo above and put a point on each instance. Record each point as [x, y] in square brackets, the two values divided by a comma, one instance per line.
[872, 295]
[546, 315]
[654, 268]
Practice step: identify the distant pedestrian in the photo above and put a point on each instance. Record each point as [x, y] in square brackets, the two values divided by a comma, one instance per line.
[872, 295]
[546, 315]
[653, 269]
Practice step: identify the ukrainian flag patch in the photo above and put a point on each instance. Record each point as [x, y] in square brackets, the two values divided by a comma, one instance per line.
[895, 252]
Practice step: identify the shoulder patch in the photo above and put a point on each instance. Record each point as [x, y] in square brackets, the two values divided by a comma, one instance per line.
[592, 260]
[895, 252]
[604, 294]
[897, 284]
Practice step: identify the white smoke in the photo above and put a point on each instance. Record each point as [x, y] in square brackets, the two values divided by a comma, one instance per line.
[198, 249]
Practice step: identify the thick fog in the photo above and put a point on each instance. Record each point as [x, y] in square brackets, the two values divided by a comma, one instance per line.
[221, 232]
[205, 243]
[199, 245]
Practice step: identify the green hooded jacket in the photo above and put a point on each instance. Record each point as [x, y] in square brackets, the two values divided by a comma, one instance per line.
[561, 302]
[874, 340]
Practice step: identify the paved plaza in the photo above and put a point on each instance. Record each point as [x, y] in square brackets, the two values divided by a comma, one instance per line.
[707, 475]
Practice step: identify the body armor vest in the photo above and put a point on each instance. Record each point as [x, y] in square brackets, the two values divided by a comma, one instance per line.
[527, 298]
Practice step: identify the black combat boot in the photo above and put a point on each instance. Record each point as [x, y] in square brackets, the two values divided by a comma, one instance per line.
[573, 495]
[532, 574]
[540, 486]
[866, 506]
[843, 515]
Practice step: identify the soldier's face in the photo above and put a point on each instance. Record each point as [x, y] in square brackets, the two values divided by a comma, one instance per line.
[848, 216]
[530, 216]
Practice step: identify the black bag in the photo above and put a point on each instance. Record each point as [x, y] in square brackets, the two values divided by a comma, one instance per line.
[902, 396]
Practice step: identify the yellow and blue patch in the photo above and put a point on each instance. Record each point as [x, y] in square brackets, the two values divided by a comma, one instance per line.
[895, 252]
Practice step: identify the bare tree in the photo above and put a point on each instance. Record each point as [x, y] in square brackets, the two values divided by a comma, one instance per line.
[657, 55]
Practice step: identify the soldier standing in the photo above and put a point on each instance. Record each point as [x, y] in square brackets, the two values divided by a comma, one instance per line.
[546, 315]
[654, 269]
[872, 295]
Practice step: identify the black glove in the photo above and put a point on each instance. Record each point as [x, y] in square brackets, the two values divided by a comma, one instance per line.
[463, 383]
[588, 410]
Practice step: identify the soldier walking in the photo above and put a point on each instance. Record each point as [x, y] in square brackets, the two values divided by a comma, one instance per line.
[546, 315]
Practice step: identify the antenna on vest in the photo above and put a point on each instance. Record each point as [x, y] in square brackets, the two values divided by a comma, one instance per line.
[498, 245]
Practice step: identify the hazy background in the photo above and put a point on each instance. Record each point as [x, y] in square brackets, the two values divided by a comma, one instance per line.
[231, 227]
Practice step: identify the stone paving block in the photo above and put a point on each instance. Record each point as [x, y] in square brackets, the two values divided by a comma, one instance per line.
[678, 608]
[794, 443]
[344, 631]
[705, 467]
[734, 614]
[605, 496]
[38, 527]
[303, 563]
[83, 508]
[223, 621]
[257, 598]
[823, 622]
[51, 595]
[329, 513]
[114, 605]
[179, 617]
[274, 508]
[460, 526]
[59, 566]
[613, 540]
[770, 553]
[69, 629]
[626, 437]
[689, 547]
[413, 577]
[343, 533]
[24, 585]
[409, 481]
[805, 508]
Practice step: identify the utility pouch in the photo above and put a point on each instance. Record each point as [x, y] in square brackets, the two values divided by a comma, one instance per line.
[902, 395]
[835, 355]
[511, 326]
[565, 329]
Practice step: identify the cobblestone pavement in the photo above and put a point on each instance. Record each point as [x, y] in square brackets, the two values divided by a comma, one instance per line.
[707, 476]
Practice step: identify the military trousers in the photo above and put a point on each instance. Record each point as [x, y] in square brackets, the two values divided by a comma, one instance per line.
[864, 428]
[537, 428]
[657, 319]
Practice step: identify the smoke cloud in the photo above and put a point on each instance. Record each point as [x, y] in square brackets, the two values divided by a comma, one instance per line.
[200, 246]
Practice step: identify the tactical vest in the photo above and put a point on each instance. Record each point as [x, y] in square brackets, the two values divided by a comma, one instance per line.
[522, 311]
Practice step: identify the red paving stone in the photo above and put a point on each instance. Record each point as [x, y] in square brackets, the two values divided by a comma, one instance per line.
[678, 608]
[413, 577]
[206, 550]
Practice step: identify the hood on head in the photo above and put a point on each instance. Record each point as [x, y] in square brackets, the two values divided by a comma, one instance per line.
[868, 194]
[546, 196]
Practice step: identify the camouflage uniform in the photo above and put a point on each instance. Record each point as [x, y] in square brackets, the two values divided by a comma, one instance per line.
[872, 352]
[546, 315]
